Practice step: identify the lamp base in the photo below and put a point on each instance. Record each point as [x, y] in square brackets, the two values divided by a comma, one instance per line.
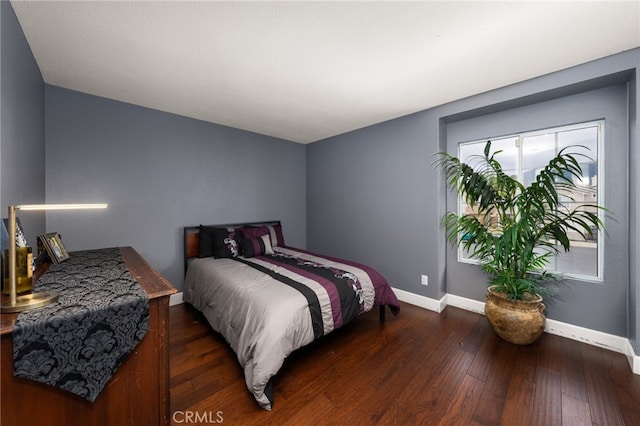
[30, 301]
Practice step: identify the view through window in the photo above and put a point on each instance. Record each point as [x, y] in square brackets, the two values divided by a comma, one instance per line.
[524, 155]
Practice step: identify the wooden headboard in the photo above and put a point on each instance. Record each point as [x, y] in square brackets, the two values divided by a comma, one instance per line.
[192, 237]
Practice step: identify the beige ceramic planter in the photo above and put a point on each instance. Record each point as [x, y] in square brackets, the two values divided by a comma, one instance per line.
[516, 321]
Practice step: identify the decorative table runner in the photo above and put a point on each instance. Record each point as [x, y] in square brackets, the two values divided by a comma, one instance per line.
[78, 342]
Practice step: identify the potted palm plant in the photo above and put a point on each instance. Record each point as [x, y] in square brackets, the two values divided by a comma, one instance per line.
[513, 230]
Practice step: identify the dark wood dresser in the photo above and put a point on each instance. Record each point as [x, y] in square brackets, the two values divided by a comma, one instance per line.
[137, 394]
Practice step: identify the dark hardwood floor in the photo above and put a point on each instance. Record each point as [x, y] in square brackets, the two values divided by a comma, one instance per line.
[420, 368]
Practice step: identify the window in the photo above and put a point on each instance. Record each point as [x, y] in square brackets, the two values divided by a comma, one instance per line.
[524, 155]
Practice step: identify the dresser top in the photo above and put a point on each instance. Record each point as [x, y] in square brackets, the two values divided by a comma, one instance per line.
[154, 284]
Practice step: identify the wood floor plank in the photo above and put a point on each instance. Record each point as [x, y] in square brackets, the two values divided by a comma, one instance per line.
[549, 348]
[575, 412]
[573, 380]
[410, 399]
[626, 388]
[418, 368]
[499, 372]
[477, 336]
[441, 391]
[547, 405]
[521, 391]
[460, 409]
[602, 401]
[485, 355]
[391, 368]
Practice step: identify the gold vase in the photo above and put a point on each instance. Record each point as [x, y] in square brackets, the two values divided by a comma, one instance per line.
[24, 270]
[516, 321]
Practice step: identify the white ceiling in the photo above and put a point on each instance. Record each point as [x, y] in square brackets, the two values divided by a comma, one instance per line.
[304, 71]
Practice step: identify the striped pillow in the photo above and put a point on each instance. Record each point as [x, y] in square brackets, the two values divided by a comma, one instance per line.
[274, 231]
[256, 246]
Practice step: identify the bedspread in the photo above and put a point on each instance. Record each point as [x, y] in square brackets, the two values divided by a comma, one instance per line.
[268, 306]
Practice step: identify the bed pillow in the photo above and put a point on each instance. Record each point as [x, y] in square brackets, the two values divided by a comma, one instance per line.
[274, 231]
[277, 238]
[256, 246]
[205, 241]
[249, 232]
[226, 242]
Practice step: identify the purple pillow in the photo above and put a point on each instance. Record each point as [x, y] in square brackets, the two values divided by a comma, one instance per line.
[274, 231]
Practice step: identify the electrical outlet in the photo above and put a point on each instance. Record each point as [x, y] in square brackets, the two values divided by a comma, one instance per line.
[425, 280]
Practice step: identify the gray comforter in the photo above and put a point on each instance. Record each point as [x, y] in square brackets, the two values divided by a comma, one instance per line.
[268, 306]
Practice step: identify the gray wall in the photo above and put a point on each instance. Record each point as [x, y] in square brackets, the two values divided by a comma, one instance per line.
[372, 197]
[372, 194]
[160, 172]
[22, 138]
[634, 209]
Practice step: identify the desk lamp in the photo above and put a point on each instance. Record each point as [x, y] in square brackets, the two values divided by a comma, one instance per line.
[33, 300]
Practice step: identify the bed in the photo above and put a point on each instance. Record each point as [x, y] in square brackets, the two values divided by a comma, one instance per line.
[268, 299]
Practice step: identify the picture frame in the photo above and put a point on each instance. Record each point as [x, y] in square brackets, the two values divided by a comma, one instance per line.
[52, 244]
[21, 239]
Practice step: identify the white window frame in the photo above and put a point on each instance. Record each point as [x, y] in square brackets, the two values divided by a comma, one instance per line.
[599, 124]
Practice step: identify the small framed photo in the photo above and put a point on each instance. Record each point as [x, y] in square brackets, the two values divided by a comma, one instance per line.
[52, 243]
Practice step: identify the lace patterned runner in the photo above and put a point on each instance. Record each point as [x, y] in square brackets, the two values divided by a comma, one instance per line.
[78, 342]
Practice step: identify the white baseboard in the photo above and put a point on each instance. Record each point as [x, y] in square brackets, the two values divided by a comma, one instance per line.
[634, 360]
[421, 301]
[573, 332]
[175, 299]
[595, 338]
[585, 335]
[467, 304]
[570, 331]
